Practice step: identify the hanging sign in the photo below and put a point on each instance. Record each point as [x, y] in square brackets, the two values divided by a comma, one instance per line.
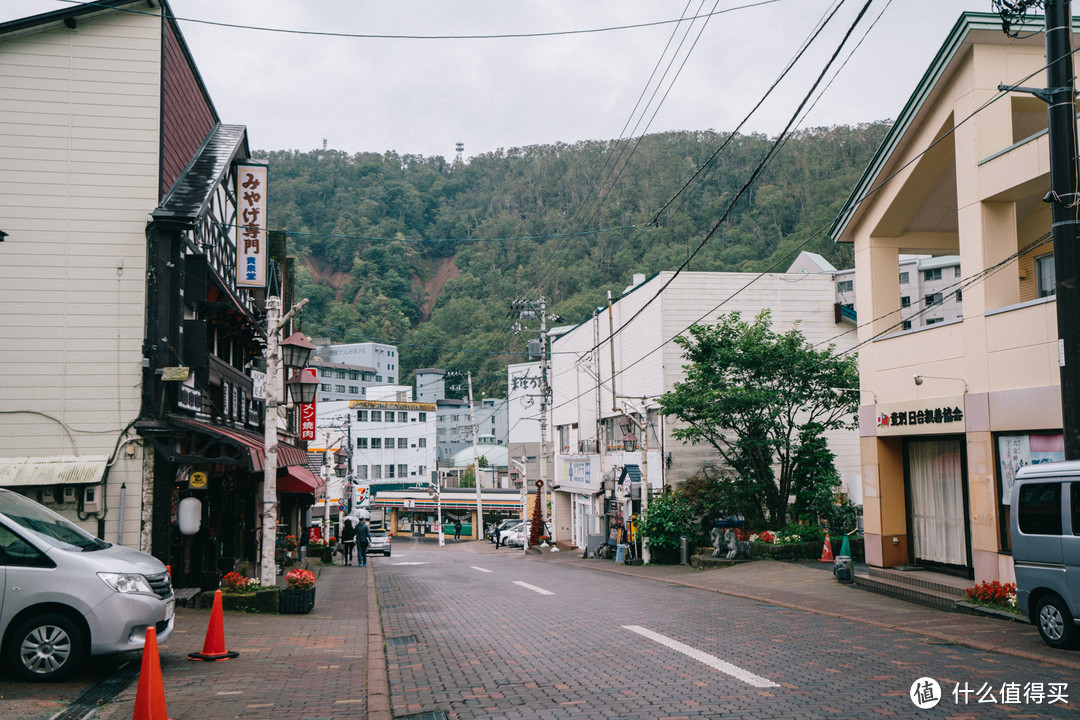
[251, 226]
[307, 414]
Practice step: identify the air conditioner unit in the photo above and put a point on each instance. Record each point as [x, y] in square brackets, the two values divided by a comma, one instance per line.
[91, 499]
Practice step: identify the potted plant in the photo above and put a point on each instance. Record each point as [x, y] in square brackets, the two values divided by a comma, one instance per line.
[298, 595]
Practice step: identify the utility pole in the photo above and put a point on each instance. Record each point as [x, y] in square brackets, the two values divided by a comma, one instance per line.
[1060, 97]
[541, 491]
[476, 468]
[643, 428]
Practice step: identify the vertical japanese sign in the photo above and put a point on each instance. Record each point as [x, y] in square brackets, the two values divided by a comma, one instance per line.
[307, 414]
[251, 226]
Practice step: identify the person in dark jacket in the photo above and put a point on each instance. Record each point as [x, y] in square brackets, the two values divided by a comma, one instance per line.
[457, 529]
[363, 539]
[348, 540]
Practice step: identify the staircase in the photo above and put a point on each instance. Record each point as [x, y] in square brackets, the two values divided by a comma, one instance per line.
[916, 584]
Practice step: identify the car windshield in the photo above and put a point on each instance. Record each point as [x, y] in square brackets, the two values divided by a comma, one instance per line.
[46, 525]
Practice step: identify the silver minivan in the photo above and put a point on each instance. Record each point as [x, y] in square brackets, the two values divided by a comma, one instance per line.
[1045, 536]
[66, 595]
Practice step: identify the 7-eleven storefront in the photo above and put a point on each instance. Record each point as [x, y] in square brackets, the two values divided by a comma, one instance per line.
[415, 512]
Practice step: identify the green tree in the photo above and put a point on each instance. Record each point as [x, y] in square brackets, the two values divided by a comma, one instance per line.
[763, 400]
[668, 517]
[468, 477]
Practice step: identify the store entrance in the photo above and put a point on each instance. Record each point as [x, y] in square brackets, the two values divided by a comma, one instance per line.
[938, 504]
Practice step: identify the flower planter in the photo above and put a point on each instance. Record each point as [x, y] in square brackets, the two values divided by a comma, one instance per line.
[261, 601]
[291, 601]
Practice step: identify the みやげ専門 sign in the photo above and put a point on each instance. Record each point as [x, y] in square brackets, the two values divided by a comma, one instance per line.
[251, 226]
[934, 416]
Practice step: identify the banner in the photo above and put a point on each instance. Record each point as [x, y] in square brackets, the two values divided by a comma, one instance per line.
[251, 226]
[307, 414]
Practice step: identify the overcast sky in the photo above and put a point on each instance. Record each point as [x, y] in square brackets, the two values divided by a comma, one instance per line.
[422, 96]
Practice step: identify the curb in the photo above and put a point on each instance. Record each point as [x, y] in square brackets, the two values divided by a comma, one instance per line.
[378, 682]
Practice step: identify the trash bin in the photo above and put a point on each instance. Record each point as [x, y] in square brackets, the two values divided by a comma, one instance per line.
[620, 553]
[684, 550]
[844, 569]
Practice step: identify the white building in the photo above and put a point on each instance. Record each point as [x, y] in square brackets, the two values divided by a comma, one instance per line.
[590, 401]
[393, 442]
[380, 358]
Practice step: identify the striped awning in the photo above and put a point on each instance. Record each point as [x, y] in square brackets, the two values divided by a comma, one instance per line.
[52, 470]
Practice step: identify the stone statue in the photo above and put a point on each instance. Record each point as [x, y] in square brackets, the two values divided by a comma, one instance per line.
[717, 540]
[737, 549]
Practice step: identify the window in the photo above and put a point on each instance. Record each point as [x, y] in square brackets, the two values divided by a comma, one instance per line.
[353, 390]
[422, 442]
[403, 417]
[361, 416]
[389, 471]
[956, 271]
[403, 443]
[340, 374]
[934, 274]
[376, 472]
[390, 379]
[422, 469]
[376, 443]
[376, 416]
[403, 470]
[353, 375]
[905, 301]
[339, 388]
[1075, 499]
[905, 325]
[934, 321]
[845, 286]
[325, 372]
[903, 278]
[959, 296]
[324, 387]
[933, 299]
[1045, 280]
[378, 378]
[1040, 509]
[361, 443]
[361, 472]
[388, 443]
[423, 417]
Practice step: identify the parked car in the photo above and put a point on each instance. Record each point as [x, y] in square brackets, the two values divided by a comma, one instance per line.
[509, 532]
[380, 542]
[66, 595]
[1044, 533]
[515, 537]
[504, 525]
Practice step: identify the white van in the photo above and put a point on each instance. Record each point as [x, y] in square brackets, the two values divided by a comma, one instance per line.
[66, 595]
[1045, 536]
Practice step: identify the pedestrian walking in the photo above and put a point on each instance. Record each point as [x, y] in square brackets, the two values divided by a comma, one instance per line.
[348, 540]
[457, 529]
[363, 539]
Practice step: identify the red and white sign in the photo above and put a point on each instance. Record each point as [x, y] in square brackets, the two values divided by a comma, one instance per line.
[251, 226]
[307, 414]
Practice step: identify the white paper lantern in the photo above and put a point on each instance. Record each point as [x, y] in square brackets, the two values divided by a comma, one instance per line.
[190, 515]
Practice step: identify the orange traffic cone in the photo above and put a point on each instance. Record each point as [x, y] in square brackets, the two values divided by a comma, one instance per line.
[214, 645]
[826, 550]
[150, 697]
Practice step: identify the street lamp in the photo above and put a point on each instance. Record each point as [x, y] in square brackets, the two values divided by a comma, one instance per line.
[299, 349]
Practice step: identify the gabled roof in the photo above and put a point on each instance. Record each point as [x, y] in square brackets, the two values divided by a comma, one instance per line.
[942, 66]
[191, 194]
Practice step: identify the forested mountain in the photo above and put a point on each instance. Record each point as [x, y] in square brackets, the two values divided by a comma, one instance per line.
[428, 253]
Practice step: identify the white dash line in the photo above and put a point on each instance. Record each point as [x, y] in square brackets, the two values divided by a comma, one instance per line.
[481, 569]
[542, 591]
[705, 658]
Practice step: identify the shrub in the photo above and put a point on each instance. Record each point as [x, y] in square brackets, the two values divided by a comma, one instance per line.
[668, 518]
[299, 579]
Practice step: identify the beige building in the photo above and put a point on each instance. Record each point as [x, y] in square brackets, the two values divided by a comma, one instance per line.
[952, 409]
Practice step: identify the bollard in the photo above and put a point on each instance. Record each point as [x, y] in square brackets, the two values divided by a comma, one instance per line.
[684, 550]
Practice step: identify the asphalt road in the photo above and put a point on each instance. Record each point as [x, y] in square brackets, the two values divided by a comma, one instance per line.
[475, 633]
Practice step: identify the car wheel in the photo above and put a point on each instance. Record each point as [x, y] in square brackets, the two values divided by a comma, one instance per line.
[45, 648]
[1055, 623]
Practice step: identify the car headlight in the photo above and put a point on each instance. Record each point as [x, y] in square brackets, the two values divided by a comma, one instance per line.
[126, 582]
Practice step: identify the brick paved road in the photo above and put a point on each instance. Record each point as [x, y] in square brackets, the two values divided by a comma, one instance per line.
[464, 637]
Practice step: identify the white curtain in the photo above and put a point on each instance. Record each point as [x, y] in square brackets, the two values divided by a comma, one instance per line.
[937, 501]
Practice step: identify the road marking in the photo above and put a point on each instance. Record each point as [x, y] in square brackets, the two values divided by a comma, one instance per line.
[542, 591]
[703, 657]
[481, 569]
[410, 563]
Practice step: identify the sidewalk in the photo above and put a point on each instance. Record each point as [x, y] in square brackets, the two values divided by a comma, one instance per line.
[290, 666]
[806, 586]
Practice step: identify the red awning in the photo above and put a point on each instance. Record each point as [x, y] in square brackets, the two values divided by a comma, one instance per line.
[287, 455]
[297, 479]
